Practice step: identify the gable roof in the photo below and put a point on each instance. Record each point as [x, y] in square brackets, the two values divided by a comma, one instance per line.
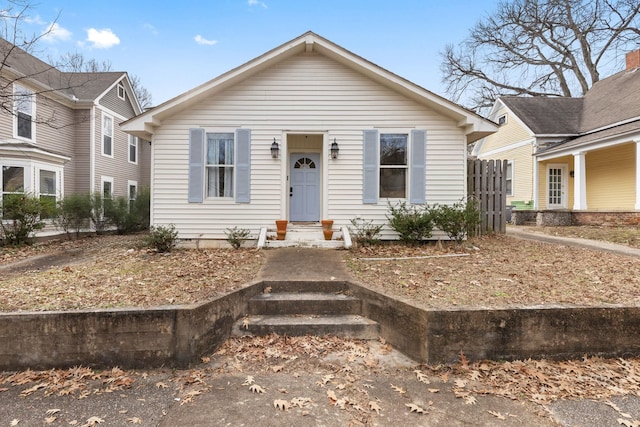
[475, 126]
[68, 87]
[547, 116]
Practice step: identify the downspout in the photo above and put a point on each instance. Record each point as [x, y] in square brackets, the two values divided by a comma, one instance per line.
[536, 171]
[92, 150]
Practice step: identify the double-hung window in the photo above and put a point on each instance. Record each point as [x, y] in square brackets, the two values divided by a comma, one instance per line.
[107, 135]
[47, 189]
[509, 176]
[24, 109]
[12, 181]
[220, 164]
[393, 165]
[133, 149]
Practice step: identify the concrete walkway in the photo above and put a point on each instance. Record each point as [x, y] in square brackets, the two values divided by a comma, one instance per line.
[530, 233]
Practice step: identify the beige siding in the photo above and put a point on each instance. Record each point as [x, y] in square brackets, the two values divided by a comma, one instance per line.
[522, 160]
[611, 178]
[542, 175]
[81, 153]
[509, 133]
[111, 101]
[305, 93]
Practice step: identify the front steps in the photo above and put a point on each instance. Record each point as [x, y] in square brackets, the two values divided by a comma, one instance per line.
[306, 308]
[305, 235]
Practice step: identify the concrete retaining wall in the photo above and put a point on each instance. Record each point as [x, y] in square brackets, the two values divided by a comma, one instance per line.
[179, 336]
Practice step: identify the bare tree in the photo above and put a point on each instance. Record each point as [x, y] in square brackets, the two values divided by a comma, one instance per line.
[143, 95]
[540, 48]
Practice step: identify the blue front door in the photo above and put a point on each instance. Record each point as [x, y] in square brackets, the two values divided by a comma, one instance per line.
[304, 191]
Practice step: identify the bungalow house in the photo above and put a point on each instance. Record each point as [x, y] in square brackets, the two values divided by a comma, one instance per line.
[573, 160]
[60, 134]
[304, 132]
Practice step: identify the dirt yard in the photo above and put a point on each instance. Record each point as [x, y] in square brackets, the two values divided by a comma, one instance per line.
[500, 271]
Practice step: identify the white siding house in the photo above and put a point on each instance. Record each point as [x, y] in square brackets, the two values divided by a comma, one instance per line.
[212, 166]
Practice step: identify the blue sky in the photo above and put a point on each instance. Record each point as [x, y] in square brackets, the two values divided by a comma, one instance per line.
[176, 46]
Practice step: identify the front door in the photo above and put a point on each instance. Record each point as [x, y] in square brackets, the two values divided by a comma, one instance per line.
[556, 183]
[304, 192]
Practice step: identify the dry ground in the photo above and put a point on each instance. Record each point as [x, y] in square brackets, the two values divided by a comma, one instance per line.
[499, 271]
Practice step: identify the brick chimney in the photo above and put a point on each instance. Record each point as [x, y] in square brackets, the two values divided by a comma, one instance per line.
[633, 60]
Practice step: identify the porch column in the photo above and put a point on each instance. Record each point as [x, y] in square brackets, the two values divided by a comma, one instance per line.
[637, 207]
[579, 182]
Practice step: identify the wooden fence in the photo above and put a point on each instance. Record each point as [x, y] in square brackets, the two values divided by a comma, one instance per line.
[487, 183]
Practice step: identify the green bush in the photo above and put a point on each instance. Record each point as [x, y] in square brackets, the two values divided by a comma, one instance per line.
[21, 217]
[74, 212]
[457, 220]
[235, 236]
[98, 207]
[162, 238]
[116, 213]
[140, 209]
[412, 223]
[364, 232]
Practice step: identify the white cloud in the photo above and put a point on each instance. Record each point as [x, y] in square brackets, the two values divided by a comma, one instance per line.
[34, 20]
[257, 3]
[54, 32]
[102, 39]
[151, 29]
[201, 40]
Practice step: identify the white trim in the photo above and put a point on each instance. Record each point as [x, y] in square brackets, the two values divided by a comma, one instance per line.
[637, 206]
[92, 150]
[130, 184]
[102, 135]
[591, 146]
[511, 178]
[579, 181]
[511, 146]
[120, 87]
[536, 185]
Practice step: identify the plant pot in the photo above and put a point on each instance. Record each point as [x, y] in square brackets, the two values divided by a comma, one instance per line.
[328, 234]
[281, 224]
[281, 234]
[327, 224]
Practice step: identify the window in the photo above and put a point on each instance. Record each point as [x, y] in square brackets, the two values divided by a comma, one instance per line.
[133, 193]
[502, 120]
[48, 193]
[107, 187]
[107, 136]
[24, 106]
[509, 174]
[220, 164]
[121, 91]
[393, 165]
[12, 181]
[133, 149]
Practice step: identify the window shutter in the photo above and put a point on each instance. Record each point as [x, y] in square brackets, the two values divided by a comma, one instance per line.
[243, 165]
[370, 167]
[196, 165]
[418, 166]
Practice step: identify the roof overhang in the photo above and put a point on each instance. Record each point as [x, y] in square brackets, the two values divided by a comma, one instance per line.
[21, 150]
[474, 125]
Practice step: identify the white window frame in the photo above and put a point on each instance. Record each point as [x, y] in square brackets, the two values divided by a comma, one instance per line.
[32, 177]
[22, 95]
[110, 180]
[502, 120]
[133, 184]
[209, 167]
[106, 116]
[133, 143]
[405, 166]
[563, 196]
[509, 177]
[120, 91]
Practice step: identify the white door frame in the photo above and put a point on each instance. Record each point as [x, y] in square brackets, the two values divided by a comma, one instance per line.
[563, 185]
[317, 160]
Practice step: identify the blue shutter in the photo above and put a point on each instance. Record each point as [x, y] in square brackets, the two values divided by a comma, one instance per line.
[370, 167]
[418, 166]
[243, 165]
[196, 165]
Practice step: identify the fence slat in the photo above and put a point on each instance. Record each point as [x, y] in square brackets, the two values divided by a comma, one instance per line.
[487, 184]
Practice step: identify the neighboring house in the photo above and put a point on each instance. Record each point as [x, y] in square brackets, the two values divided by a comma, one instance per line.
[60, 131]
[574, 154]
[212, 164]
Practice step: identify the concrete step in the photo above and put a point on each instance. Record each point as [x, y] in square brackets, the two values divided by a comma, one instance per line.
[302, 286]
[321, 244]
[303, 303]
[347, 326]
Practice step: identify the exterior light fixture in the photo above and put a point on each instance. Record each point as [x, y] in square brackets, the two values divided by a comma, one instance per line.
[334, 149]
[275, 149]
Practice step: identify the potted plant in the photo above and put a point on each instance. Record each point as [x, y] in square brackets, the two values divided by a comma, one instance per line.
[327, 224]
[328, 234]
[281, 226]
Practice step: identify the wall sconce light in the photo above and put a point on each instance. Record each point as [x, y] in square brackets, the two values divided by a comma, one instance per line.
[275, 149]
[334, 149]
[571, 174]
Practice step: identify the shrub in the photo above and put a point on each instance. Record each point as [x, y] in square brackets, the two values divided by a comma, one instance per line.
[457, 220]
[98, 206]
[21, 216]
[236, 235]
[364, 232]
[162, 238]
[74, 212]
[141, 209]
[116, 213]
[412, 223]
